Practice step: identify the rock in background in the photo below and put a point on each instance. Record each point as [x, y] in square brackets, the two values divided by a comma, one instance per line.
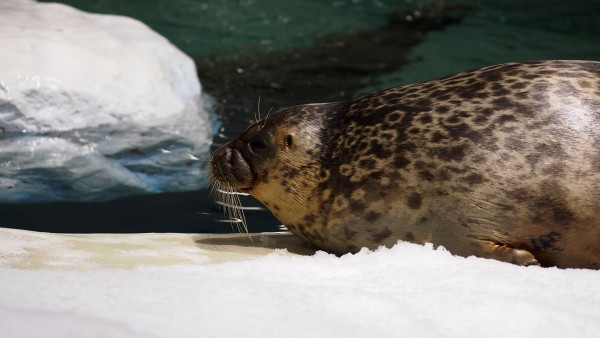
[94, 107]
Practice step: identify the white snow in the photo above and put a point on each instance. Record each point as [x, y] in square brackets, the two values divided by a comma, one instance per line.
[94, 107]
[38, 323]
[406, 291]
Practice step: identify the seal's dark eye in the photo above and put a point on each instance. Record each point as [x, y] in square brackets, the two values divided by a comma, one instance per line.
[257, 145]
[289, 140]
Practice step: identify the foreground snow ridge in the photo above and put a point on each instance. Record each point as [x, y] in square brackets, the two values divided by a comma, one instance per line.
[94, 107]
[406, 291]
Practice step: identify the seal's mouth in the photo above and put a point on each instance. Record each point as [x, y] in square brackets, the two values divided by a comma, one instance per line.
[229, 166]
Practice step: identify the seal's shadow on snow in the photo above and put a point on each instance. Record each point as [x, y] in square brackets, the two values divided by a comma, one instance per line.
[242, 244]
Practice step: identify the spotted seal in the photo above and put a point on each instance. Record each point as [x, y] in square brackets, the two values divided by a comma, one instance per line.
[500, 162]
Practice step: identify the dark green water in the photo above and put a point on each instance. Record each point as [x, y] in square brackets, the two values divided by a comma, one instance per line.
[290, 52]
[498, 31]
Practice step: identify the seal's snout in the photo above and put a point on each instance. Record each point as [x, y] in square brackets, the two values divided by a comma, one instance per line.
[221, 153]
[229, 166]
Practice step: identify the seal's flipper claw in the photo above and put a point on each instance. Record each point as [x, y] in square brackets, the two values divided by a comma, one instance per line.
[503, 252]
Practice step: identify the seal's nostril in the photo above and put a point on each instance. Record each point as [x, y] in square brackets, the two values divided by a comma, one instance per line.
[222, 153]
[241, 169]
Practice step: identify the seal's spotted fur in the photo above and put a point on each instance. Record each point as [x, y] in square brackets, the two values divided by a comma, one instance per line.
[500, 162]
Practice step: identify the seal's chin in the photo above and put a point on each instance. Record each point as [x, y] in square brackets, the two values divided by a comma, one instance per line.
[229, 167]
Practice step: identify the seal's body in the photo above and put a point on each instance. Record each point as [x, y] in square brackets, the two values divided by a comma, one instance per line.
[500, 162]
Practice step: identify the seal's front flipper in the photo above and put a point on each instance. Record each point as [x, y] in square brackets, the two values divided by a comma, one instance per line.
[502, 252]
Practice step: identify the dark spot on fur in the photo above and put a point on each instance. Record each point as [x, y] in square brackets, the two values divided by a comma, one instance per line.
[553, 209]
[521, 95]
[502, 103]
[414, 200]
[357, 207]
[474, 179]
[381, 235]
[497, 86]
[367, 163]
[387, 136]
[309, 219]
[518, 85]
[554, 150]
[443, 175]
[393, 117]
[453, 119]
[468, 92]
[514, 143]
[569, 74]
[533, 159]
[547, 242]
[349, 234]
[362, 146]
[478, 159]
[530, 76]
[437, 137]
[423, 104]
[442, 109]
[500, 90]
[312, 235]
[372, 216]
[379, 150]
[427, 175]
[375, 176]
[502, 119]
[540, 87]
[409, 236]
[556, 169]
[595, 161]
[483, 116]
[448, 154]
[401, 161]
[442, 193]
[519, 195]
[462, 130]
[426, 119]
[414, 130]
[584, 84]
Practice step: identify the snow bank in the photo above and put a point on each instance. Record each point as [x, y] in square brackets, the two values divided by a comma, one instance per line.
[94, 107]
[34, 323]
[406, 291]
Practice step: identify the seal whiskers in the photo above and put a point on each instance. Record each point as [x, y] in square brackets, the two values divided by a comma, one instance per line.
[229, 200]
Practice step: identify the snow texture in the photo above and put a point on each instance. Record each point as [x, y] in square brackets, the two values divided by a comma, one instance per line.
[33, 323]
[406, 291]
[94, 107]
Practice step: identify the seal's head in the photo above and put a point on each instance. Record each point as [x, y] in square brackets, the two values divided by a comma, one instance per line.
[277, 160]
